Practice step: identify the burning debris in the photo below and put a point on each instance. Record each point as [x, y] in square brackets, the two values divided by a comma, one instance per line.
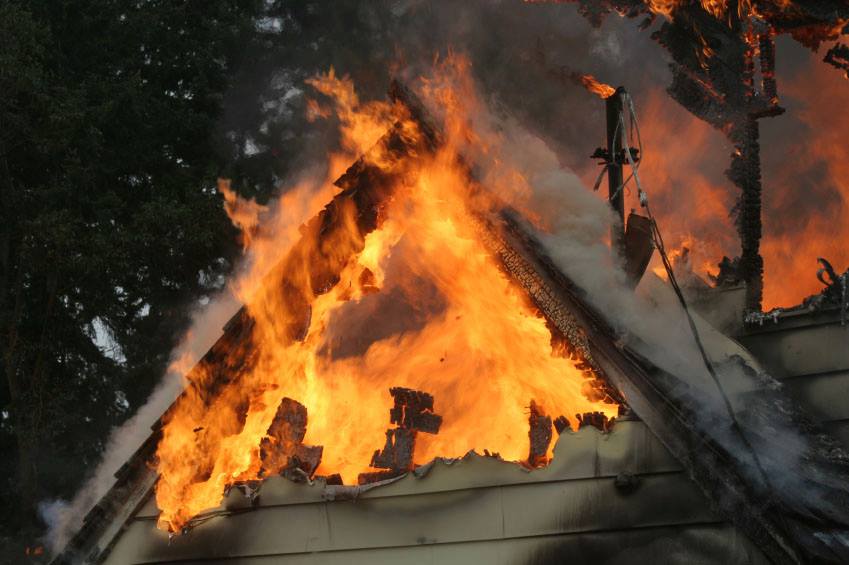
[282, 451]
[539, 435]
[413, 413]
[598, 420]
[838, 57]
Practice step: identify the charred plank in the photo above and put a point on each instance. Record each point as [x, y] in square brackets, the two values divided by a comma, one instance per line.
[282, 451]
[561, 424]
[413, 410]
[598, 420]
[539, 435]
[398, 451]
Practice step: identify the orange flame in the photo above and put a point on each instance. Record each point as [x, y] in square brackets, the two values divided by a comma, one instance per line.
[692, 206]
[243, 213]
[596, 87]
[445, 320]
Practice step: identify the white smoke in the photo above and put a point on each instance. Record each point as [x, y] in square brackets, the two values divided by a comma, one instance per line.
[63, 517]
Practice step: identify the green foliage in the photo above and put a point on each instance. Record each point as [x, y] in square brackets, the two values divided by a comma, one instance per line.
[109, 220]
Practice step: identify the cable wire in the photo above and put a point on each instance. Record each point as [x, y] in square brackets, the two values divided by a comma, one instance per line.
[657, 238]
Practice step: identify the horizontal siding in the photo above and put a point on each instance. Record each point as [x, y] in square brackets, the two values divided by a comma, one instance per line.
[825, 396]
[812, 361]
[803, 350]
[469, 515]
[630, 448]
[691, 545]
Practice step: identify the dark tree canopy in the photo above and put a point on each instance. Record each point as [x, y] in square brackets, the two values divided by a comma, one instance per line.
[110, 225]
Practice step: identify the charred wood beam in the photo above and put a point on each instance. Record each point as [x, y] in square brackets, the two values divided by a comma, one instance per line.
[412, 412]
[715, 83]
[766, 46]
[539, 435]
[282, 451]
[838, 57]
[745, 173]
[561, 424]
[598, 420]
[398, 452]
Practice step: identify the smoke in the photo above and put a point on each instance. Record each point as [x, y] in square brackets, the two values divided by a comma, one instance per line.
[64, 518]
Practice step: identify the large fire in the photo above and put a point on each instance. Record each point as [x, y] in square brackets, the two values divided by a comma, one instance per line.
[692, 199]
[419, 303]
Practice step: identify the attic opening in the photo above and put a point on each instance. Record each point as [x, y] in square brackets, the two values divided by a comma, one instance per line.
[395, 328]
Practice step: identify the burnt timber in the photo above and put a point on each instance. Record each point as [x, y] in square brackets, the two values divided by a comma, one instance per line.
[413, 413]
[539, 435]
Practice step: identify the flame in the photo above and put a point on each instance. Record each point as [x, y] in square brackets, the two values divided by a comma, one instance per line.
[691, 198]
[663, 8]
[806, 194]
[435, 313]
[243, 213]
[596, 87]
[690, 204]
[717, 8]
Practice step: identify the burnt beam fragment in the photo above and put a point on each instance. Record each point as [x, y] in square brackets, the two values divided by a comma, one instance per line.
[598, 420]
[282, 450]
[539, 435]
[745, 173]
[411, 413]
[290, 421]
[413, 410]
[303, 463]
[561, 424]
[398, 452]
[838, 57]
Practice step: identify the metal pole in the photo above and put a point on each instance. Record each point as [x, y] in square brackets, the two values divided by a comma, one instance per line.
[614, 106]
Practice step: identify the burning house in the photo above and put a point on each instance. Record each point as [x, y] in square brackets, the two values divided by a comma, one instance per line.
[427, 371]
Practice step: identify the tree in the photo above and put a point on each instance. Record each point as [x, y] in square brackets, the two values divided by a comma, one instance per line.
[110, 225]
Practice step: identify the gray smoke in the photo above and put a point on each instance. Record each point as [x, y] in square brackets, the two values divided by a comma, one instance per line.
[63, 517]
